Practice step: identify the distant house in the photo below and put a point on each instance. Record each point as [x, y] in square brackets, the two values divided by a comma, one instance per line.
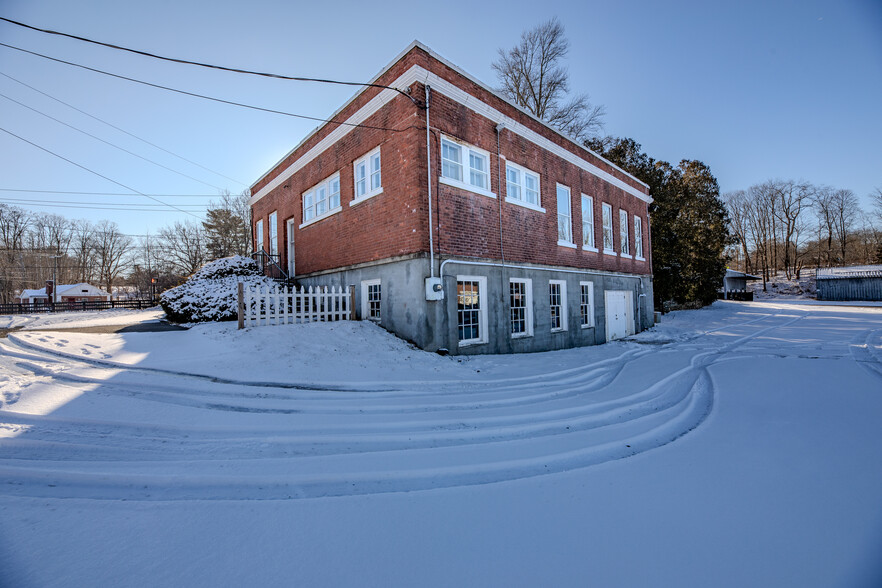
[66, 293]
[861, 282]
[490, 233]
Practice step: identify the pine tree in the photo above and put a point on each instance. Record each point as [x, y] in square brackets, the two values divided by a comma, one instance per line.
[688, 222]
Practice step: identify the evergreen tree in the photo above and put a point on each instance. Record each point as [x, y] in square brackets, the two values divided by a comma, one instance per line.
[227, 227]
[688, 222]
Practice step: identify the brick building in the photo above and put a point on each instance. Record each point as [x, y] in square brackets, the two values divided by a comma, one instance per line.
[512, 238]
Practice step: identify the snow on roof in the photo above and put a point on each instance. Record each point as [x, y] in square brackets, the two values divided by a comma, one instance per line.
[737, 274]
[854, 271]
[32, 293]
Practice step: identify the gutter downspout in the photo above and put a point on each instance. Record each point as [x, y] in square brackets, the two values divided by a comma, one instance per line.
[429, 182]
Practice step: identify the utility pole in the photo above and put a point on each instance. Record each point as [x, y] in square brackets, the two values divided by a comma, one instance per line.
[55, 279]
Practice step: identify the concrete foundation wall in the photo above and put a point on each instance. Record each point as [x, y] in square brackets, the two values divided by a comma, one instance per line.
[432, 325]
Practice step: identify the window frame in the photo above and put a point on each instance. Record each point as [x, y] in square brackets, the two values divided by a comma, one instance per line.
[590, 304]
[365, 300]
[466, 150]
[624, 234]
[569, 216]
[273, 226]
[592, 246]
[606, 211]
[562, 306]
[521, 185]
[638, 238]
[527, 284]
[482, 310]
[326, 185]
[367, 161]
[258, 235]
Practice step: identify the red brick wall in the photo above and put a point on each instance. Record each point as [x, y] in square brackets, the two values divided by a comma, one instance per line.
[395, 222]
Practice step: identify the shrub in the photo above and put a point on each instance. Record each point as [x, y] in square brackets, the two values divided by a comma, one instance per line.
[211, 293]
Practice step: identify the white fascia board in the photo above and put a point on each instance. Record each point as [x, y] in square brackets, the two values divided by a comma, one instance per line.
[452, 91]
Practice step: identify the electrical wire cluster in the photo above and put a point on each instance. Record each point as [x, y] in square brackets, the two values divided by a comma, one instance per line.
[133, 191]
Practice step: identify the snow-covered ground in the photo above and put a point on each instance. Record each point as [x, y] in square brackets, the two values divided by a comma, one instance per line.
[736, 445]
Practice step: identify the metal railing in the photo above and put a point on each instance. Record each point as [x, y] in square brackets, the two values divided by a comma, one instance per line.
[269, 264]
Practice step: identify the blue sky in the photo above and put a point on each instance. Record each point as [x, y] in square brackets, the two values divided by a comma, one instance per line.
[756, 90]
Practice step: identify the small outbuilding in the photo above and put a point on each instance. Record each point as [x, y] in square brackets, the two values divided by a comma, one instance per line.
[859, 282]
[735, 285]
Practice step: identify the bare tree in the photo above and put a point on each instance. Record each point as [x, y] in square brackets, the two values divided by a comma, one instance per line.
[82, 252]
[111, 248]
[182, 246]
[845, 214]
[737, 204]
[531, 75]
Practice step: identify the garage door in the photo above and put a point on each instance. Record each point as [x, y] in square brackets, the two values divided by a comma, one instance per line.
[619, 314]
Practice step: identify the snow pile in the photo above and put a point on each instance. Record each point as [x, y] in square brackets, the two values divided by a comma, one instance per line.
[210, 293]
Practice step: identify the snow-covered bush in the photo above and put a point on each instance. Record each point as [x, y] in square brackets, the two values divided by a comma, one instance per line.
[210, 293]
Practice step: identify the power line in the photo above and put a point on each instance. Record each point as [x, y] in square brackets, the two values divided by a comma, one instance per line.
[96, 173]
[193, 94]
[210, 66]
[127, 209]
[107, 193]
[113, 126]
[61, 122]
[127, 204]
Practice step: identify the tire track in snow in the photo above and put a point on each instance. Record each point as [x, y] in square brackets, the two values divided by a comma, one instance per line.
[398, 461]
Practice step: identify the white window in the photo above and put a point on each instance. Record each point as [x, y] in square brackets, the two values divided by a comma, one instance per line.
[608, 246]
[557, 302]
[465, 167]
[274, 233]
[564, 217]
[258, 236]
[368, 175]
[623, 232]
[291, 224]
[520, 296]
[471, 309]
[638, 237]
[371, 297]
[321, 200]
[588, 223]
[522, 186]
[586, 304]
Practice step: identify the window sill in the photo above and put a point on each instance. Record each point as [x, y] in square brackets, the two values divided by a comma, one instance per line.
[322, 217]
[591, 249]
[560, 330]
[638, 258]
[367, 196]
[522, 335]
[587, 326]
[466, 187]
[625, 255]
[566, 244]
[608, 252]
[523, 204]
[471, 342]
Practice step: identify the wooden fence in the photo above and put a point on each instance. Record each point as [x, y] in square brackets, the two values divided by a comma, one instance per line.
[283, 306]
[71, 306]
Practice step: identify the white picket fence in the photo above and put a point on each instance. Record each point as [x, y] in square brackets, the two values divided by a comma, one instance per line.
[284, 306]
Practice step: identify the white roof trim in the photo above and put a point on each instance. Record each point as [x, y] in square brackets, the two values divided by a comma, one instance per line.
[418, 73]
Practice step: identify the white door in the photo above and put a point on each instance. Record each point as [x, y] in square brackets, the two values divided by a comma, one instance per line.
[619, 315]
[291, 248]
